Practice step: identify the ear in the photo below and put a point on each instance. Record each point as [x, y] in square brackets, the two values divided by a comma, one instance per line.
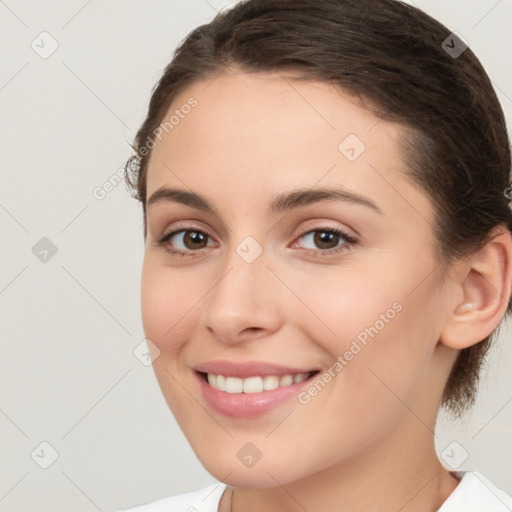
[484, 282]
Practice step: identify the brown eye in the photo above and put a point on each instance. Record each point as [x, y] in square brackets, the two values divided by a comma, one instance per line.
[185, 241]
[194, 239]
[325, 239]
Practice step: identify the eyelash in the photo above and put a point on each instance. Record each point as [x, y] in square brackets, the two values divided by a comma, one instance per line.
[349, 242]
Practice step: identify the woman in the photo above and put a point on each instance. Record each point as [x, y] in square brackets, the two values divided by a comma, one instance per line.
[326, 189]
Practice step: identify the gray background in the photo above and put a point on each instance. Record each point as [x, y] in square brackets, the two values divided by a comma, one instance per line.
[70, 324]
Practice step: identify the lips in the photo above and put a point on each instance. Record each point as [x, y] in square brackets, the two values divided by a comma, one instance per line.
[244, 369]
[222, 386]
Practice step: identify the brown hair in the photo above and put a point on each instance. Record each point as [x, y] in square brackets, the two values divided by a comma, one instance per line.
[396, 59]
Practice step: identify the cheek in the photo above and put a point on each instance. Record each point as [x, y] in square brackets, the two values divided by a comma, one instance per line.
[166, 303]
[167, 316]
[372, 326]
[346, 305]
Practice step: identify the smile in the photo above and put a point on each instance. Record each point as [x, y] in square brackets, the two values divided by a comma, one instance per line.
[255, 384]
[251, 395]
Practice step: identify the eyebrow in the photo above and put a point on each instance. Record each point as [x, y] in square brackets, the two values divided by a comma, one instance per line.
[283, 202]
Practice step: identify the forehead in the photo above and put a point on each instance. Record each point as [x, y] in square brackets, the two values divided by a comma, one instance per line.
[260, 133]
[267, 106]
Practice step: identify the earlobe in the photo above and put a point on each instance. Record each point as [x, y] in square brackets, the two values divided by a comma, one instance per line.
[485, 282]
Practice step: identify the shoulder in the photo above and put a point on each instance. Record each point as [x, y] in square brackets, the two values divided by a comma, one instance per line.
[201, 500]
[476, 493]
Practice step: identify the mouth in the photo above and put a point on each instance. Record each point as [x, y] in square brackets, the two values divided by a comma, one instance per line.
[254, 384]
[251, 396]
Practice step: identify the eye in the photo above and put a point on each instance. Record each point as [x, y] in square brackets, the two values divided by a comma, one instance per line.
[184, 241]
[327, 240]
[189, 242]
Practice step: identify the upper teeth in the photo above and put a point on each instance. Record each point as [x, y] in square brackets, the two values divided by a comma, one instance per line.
[253, 384]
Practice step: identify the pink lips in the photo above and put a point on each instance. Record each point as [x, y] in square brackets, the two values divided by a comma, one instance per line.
[245, 369]
[247, 405]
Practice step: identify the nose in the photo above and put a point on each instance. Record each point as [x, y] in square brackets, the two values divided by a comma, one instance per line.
[243, 303]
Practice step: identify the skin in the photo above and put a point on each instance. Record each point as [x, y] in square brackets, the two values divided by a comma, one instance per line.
[366, 441]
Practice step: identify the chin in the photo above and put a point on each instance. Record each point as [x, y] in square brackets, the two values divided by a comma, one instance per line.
[251, 478]
[266, 472]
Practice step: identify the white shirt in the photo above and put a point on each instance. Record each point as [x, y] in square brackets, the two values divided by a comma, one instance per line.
[473, 494]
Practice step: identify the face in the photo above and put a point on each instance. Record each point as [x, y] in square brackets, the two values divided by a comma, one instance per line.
[297, 254]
